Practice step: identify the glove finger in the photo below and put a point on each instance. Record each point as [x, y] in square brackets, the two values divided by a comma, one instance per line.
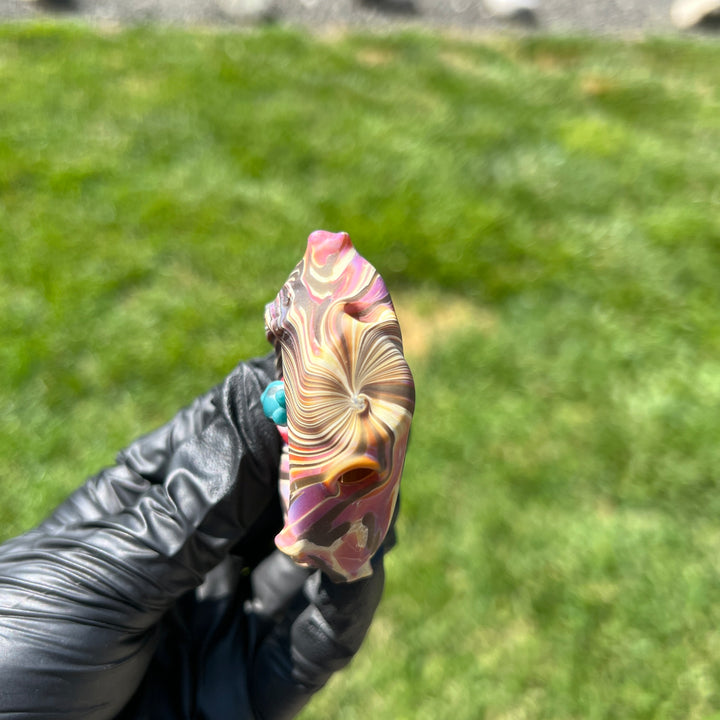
[202, 651]
[275, 582]
[300, 654]
[150, 455]
[145, 461]
[78, 607]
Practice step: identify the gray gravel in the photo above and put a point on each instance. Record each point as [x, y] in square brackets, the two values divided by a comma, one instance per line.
[623, 17]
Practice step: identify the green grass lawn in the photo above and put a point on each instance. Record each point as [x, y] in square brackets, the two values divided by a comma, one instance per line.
[547, 215]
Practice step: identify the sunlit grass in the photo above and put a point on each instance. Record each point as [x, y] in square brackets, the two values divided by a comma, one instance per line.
[547, 215]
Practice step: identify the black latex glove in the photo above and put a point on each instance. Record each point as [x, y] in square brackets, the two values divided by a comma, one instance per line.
[153, 591]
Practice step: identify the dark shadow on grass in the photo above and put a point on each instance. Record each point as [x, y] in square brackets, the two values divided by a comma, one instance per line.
[58, 6]
[525, 18]
[391, 7]
[710, 23]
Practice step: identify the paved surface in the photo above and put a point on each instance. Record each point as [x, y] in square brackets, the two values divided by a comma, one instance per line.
[624, 17]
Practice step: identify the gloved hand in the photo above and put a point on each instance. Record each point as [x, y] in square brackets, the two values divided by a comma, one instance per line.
[154, 590]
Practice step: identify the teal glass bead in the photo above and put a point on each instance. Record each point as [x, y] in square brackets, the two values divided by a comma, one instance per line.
[273, 402]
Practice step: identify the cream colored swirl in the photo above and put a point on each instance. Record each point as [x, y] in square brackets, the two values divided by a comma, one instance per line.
[350, 398]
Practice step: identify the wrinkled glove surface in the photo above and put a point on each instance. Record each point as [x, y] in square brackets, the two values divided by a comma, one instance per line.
[154, 591]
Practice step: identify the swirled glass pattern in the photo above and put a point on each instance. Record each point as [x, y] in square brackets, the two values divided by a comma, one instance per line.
[350, 397]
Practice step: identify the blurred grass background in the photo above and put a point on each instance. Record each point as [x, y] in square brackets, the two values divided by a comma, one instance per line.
[546, 212]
